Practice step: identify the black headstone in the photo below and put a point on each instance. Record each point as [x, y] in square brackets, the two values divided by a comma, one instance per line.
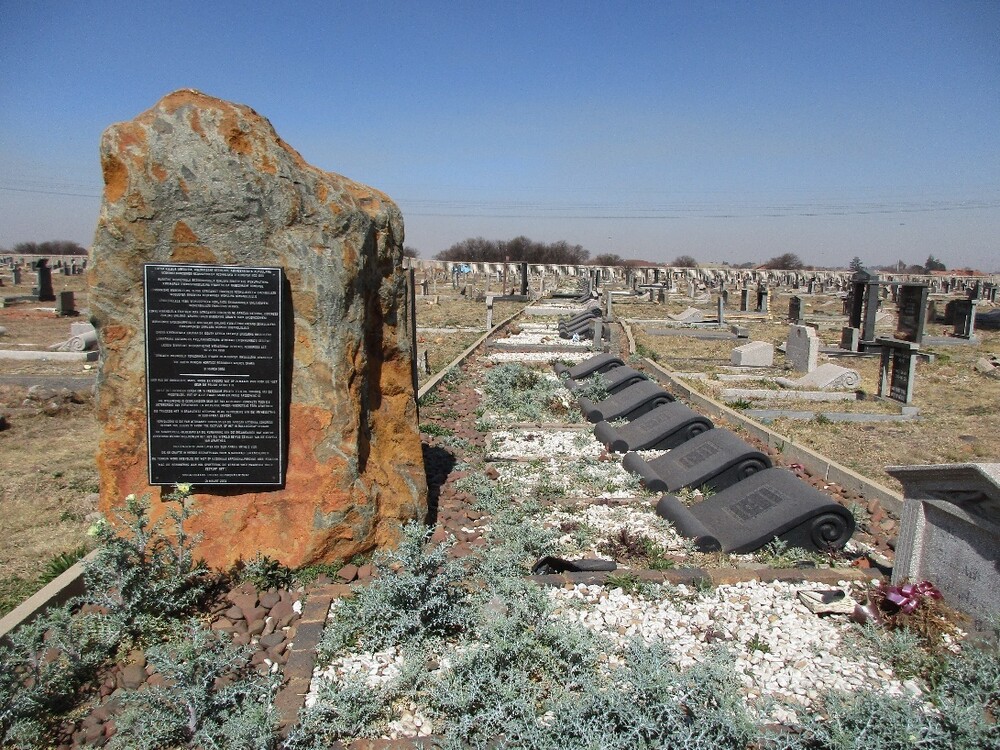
[713, 460]
[45, 293]
[215, 380]
[662, 428]
[912, 305]
[630, 403]
[773, 503]
[598, 363]
[612, 381]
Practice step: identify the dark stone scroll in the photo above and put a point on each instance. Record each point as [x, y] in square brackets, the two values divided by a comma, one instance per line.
[662, 428]
[629, 403]
[770, 504]
[215, 374]
[712, 460]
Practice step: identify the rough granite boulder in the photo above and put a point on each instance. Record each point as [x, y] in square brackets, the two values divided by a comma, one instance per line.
[200, 180]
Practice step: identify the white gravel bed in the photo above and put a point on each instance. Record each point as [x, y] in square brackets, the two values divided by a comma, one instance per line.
[542, 444]
[608, 520]
[571, 357]
[782, 650]
[547, 338]
[571, 479]
[784, 656]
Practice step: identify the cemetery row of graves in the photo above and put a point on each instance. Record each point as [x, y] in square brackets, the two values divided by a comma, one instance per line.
[603, 565]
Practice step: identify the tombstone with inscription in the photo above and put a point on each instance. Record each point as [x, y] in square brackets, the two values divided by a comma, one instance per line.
[750, 514]
[912, 306]
[597, 363]
[795, 310]
[45, 293]
[897, 369]
[66, 304]
[950, 534]
[276, 341]
[628, 403]
[715, 459]
[802, 348]
[965, 318]
[763, 299]
[612, 381]
[864, 301]
[662, 428]
[744, 300]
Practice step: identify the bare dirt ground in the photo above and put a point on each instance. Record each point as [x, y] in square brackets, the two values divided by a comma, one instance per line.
[49, 478]
[959, 421]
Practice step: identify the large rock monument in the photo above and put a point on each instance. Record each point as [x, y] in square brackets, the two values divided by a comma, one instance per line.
[205, 184]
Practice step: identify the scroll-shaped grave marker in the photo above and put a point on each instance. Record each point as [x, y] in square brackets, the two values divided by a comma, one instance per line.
[581, 329]
[581, 318]
[662, 428]
[614, 380]
[600, 363]
[714, 460]
[629, 403]
[771, 503]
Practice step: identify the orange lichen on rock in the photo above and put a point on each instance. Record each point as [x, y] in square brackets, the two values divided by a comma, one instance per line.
[353, 464]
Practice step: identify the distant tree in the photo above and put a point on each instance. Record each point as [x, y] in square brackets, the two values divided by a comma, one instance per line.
[52, 247]
[748, 264]
[786, 262]
[519, 249]
[856, 264]
[410, 252]
[933, 264]
[608, 259]
[685, 261]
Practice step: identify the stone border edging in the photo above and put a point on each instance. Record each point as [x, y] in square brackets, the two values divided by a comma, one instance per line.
[59, 590]
[830, 470]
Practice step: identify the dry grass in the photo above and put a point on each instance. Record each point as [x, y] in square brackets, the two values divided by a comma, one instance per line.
[959, 420]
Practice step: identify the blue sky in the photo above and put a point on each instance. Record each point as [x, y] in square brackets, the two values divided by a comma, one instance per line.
[730, 131]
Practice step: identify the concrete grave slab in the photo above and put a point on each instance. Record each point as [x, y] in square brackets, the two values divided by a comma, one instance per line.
[629, 403]
[662, 428]
[748, 515]
[765, 394]
[754, 354]
[950, 534]
[715, 460]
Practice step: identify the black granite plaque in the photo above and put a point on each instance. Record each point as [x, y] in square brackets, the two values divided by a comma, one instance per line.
[214, 374]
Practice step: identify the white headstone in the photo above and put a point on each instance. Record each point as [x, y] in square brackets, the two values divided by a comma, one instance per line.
[950, 534]
[802, 348]
[754, 354]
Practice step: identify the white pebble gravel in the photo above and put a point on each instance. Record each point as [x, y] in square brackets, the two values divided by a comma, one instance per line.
[539, 356]
[782, 650]
[542, 443]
